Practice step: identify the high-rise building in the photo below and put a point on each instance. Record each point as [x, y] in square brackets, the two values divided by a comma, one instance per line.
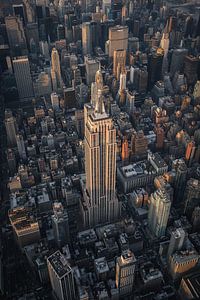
[125, 272]
[176, 241]
[86, 38]
[101, 203]
[139, 143]
[60, 224]
[160, 135]
[55, 65]
[125, 150]
[191, 195]
[11, 130]
[23, 75]
[92, 66]
[177, 60]
[182, 261]
[190, 69]
[21, 146]
[119, 62]
[15, 32]
[42, 85]
[69, 97]
[159, 210]
[61, 277]
[155, 67]
[118, 39]
[55, 101]
[25, 226]
[122, 88]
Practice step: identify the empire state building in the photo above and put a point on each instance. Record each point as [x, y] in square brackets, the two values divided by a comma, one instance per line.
[100, 201]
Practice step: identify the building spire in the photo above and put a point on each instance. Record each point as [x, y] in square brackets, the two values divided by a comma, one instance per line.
[99, 107]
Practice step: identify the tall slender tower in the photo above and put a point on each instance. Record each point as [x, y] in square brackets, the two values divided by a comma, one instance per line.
[159, 212]
[101, 203]
[55, 65]
[23, 77]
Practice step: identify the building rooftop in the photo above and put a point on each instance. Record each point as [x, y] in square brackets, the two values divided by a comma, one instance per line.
[59, 264]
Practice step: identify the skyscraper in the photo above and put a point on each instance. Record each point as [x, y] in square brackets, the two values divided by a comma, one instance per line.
[86, 38]
[15, 32]
[100, 165]
[159, 212]
[61, 276]
[55, 65]
[21, 146]
[118, 39]
[176, 241]
[10, 130]
[23, 77]
[125, 272]
[119, 62]
[60, 224]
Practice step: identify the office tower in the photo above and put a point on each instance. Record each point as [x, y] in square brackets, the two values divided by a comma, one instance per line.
[11, 161]
[189, 289]
[190, 151]
[196, 219]
[177, 60]
[160, 135]
[180, 180]
[142, 81]
[55, 101]
[159, 210]
[106, 6]
[69, 98]
[164, 44]
[18, 10]
[60, 32]
[181, 262]
[100, 165]
[122, 89]
[15, 32]
[176, 241]
[21, 147]
[119, 62]
[196, 92]
[11, 130]
[42, 84]
[118, 39]
[44, 49]
[95, 86]
[191, 196]
[133, 44]
[139, 144]
[79, 117]
[60, 224]
[55, 66]
[61, 277]
[125, 150]
[86, 38]
[23, 75]
[125, 272]
[190, 69]
[24, 225]
[92, 66]
[155, 67]
[32, 33]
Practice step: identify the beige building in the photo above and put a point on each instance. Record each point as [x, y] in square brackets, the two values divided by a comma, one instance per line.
[125, 272]
[25, 226]
[100, 201]
[118, 39]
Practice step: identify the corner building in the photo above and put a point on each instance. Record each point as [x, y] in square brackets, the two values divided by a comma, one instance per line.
[101, 203]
